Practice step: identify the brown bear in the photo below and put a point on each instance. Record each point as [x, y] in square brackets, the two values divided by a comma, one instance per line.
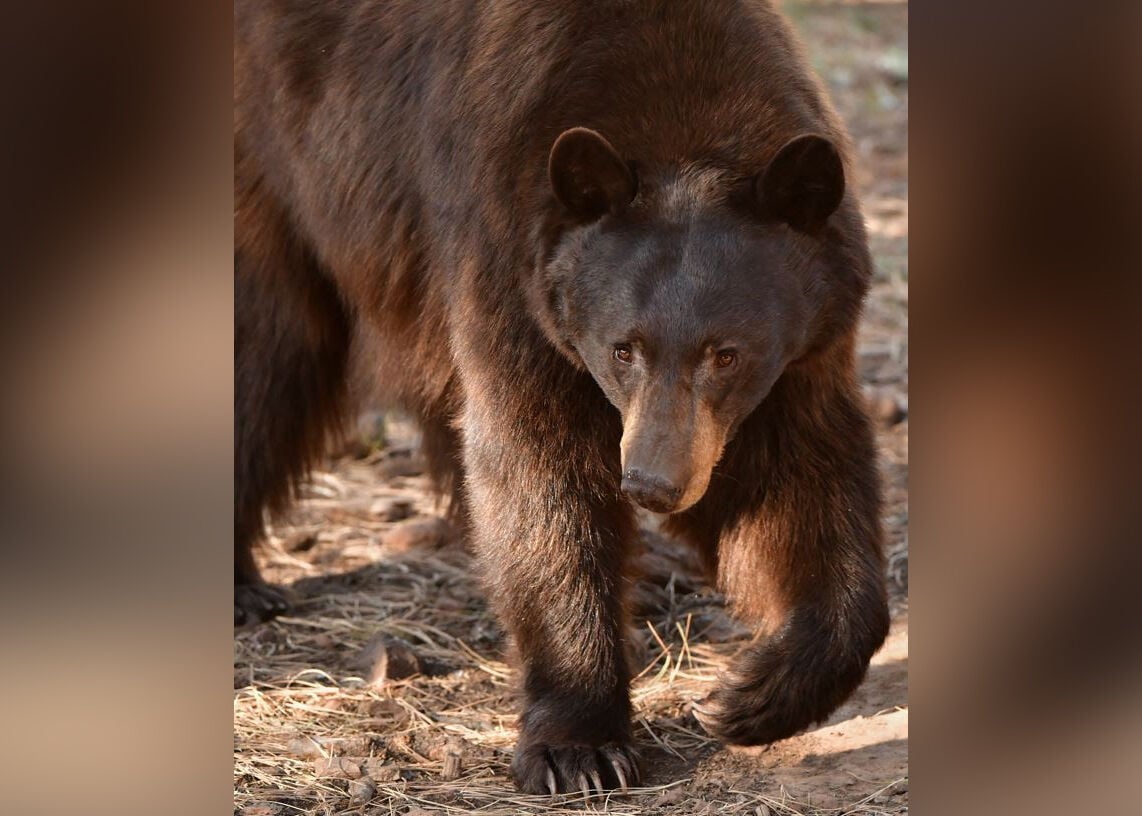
[607, 255]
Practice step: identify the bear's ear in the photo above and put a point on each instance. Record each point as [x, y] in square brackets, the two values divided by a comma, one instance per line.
[803, 184]
[589, 178]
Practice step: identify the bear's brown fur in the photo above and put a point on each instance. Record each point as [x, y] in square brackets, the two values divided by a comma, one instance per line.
[604, 251]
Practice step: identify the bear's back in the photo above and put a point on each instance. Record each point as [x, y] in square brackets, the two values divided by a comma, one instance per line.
[364, 112]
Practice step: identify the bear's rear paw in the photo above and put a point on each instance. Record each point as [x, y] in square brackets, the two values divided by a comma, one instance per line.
[551, 769]
[254, 603]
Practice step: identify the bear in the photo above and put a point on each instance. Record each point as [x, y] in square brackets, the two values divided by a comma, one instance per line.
[607, 254]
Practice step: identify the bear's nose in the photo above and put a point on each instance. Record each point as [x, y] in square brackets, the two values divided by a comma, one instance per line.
[652, 492]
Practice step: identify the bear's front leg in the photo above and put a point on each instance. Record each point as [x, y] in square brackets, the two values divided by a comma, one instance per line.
[794, 521]
[552, 534]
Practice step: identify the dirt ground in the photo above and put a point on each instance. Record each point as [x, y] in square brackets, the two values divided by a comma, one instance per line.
[386, 691]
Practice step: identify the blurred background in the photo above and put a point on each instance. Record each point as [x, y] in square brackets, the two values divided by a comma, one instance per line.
[1024, 494]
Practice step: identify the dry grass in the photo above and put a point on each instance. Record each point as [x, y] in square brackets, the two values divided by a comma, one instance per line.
[308, 721]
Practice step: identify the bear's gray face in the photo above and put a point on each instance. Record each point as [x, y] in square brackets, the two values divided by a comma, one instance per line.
[685, 329]
[685, 317]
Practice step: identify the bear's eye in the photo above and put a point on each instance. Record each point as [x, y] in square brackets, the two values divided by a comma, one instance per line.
[623, 353]
[725, 358]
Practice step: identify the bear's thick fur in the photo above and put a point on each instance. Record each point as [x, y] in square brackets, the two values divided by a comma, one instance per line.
[605, 252]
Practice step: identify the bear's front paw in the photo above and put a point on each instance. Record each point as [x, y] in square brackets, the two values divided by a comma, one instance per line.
[760, 703]
[778, 689]
[747, 716]
[552, 769]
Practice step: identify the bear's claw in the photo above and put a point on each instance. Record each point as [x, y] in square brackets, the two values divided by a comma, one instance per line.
[575, 768]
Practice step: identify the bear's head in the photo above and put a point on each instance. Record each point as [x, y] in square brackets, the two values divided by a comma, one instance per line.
[685, 299]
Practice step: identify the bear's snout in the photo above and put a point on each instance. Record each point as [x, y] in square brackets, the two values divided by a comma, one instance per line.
[654, 493]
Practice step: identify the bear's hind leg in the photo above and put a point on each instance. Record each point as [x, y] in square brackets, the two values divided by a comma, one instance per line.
[443, 450]
[290, 346]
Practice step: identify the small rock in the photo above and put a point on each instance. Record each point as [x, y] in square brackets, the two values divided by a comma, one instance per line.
[763, 810]
[431, 533]
[401, 465]
[386, 658]
[305, 747]
[888, 410]
[380, 770]
[316, 747]
[337, 767]
[430, 744]
[261, 809]
[885, 407]
[389, 715]
[361, 791]
[347, 746]
[391, 509]
[300, 542]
